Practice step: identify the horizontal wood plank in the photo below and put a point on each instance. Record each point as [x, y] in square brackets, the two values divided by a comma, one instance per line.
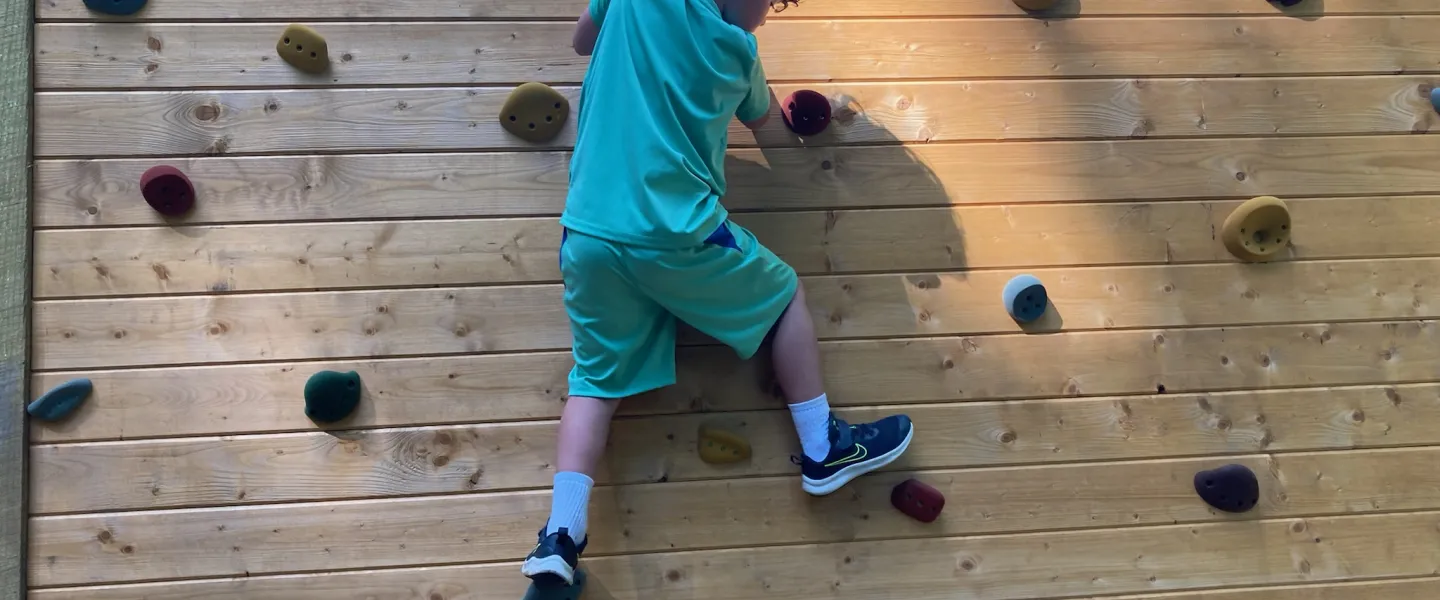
[682, 516]
[266, 397]
[153, 55]
[106, 192]
[221, 122]
[479, 582]
[449, 459]
[252, 258]
[71, 334]
[543, 9]
[686, 516]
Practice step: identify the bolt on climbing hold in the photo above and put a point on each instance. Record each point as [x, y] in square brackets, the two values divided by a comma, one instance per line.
[115, 7]
[167, 190]
[918, 499]
[61, 400]
[1231, 488]
[331, 395]
[806, 112]
[1257, 229]
[1034, 5]
[304, 48]
[718, 446]
[535, 112]
[1025, 298]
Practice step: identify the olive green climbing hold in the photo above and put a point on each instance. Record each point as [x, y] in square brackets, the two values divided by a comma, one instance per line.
[61, 400]
[535, 112]
[719, 447]
[304, 48]
[331, 395]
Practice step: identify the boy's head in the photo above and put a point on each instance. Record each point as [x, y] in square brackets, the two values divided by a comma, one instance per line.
[745, 14]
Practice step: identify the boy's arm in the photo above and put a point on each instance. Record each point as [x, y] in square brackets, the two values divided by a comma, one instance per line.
[755, 110]
[587, 30]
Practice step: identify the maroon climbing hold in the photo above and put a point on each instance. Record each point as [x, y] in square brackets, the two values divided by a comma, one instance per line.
[167, 190]
[918, 499]
[806, 112]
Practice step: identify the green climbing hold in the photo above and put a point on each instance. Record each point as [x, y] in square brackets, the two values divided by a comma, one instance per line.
[60, 400]
[331, 395]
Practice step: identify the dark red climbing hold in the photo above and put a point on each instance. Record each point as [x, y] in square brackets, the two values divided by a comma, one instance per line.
[1231, 488]
[918, 499]
[167, 190]
[806, 112]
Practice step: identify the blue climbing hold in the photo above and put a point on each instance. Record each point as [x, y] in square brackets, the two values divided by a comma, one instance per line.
[1435, 98]
[557, 591]
[61, 400]
[1025, 298]
[116, 7]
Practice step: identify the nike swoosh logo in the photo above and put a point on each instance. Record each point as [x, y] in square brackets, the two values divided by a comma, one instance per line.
[859, 454]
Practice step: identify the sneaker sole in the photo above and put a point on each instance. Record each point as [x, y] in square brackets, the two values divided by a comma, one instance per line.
[550, 567]
[834, 482]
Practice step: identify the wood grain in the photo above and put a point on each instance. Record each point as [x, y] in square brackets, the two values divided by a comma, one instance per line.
[685, 516]
[555, 9]
[477, 582]
[470, 458]
[233, 328]
[120, 55]
[230, 122]
[257, 398]
[348, 187]
[250, 258]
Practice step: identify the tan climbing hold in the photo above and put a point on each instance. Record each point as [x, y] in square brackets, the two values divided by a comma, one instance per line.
[1258, 229]
[304, 48]
[719, 447]
[1036, 4]
[535, 112]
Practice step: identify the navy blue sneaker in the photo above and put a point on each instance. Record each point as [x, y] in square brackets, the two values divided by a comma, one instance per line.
[854, 451]
[554, 558]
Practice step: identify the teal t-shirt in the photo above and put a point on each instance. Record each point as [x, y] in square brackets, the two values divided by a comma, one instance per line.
[665, 79]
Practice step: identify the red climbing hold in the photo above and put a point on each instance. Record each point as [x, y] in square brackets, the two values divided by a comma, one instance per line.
[806, 112]
[167, 190]
[918, 499]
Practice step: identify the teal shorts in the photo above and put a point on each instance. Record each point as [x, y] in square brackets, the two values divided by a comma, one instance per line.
[624, 302]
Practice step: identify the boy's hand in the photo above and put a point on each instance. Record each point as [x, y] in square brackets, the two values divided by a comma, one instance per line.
[756, 124]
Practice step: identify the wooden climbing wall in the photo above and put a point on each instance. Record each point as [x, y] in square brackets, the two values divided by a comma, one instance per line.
[378, 219]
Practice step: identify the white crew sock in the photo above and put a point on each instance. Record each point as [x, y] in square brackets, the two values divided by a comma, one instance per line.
[570, 506]
[812, 422]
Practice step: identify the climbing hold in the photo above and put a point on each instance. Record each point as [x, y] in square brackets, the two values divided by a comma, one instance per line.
[918, 499]
[1435, 98]
[304, 48]
[61, 400]
[1025, 298]
[1257, 229]
[167, 190]
[115, 7]
[535, 112]
[806, 112]
[1287, 3]
[331, 395]
[1231, 488]
[719, 447]
[1036, 4]
[557, 591]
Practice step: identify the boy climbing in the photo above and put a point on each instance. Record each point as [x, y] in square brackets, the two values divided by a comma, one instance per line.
[648, 243]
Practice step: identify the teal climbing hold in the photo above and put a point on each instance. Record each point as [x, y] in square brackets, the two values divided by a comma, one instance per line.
[557, 591]
[60, 400]
[1435, 98]
[1025, 298]
[331, 395]
[115, 7]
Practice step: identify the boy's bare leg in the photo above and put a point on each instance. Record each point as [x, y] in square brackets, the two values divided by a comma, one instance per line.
[796, 354]
[584, 427]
